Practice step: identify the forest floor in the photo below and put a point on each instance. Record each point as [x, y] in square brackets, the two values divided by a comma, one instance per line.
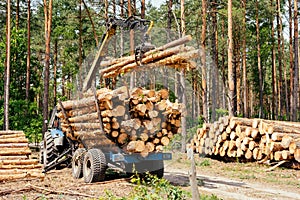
[224, 180]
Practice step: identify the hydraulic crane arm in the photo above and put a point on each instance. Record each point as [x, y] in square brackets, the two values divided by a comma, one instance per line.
[130, 23]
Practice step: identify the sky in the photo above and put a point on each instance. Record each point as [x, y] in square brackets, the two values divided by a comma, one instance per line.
[156, 3]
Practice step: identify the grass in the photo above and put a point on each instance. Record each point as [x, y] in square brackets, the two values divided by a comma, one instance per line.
[239, 170]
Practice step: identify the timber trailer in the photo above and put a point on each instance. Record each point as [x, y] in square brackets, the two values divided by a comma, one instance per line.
[88, 156]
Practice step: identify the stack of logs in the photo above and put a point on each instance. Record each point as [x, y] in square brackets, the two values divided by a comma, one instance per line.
[138, 121]
[15, 162]
[249, 139]
[172, 54]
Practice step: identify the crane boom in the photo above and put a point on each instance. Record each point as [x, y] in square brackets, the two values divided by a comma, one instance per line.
[130, 23]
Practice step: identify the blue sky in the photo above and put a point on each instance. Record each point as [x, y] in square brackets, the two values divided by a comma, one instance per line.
[156, 3]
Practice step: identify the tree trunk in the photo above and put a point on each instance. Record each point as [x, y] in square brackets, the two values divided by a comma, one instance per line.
[7, 68]
[17, 14]
[231, 81]
[143, 6]
[260, 71]
[244, 62]
[80, 59]
[55, 71]
[182, 81]
[285, 94]
[121, 34]
[133, 74]
[274, 72]
[224, 86]
[280, 90]
[28, 51]
[215, 72]
[48, 23]
[291, 58]
[296, 64]
[169, 27]
[203, 62]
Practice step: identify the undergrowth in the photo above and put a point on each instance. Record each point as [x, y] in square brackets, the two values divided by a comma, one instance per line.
[152, 188]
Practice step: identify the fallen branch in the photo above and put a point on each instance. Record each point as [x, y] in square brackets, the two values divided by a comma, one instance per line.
[111, 181]
[275, 166]
[11, 191]
[72, 193]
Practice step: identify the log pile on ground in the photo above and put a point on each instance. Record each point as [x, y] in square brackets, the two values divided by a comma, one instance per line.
[172, 54]
[15, 161]
[138, 121]
[249, 139]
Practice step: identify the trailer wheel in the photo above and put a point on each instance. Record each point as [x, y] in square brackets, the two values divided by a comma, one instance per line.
[77, 163]
[154, 167]
[48, 149]
[94, 166]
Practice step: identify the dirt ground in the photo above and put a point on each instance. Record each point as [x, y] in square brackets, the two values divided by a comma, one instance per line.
[225, 180]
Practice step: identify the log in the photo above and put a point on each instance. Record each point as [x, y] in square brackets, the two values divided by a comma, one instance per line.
[234, 121]
[144, 136]
[27, 166]
[119, 111]
[13, 157]
[17, 135]
[150, 146]
[83, 118]
[19, 171]
[80, 111]
[163, 94]
[293, 146]
[85, 126]
[286, 140]
[13, 145]
[278, 156]
[14, 140]
[15, 151]
[297, 155]
[165, 141]
[136, 146]
[8, 176]
[10, 132]
[19, 162]
[131, 59]
[286, 155]
[114, 134]
[122, 139]
[276, 136]
[239, 152]
[90, 101]
[248, 154]
[284, 127]
[276, 146]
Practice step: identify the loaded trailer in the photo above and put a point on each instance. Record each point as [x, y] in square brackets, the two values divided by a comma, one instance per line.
[122, 127]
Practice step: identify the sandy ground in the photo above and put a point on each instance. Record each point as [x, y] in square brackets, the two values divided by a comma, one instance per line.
[225, 180]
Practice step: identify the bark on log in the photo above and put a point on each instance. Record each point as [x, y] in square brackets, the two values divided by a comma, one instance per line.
[15, 151]
[16, 135]
[10, 132]
[14, 140]
[131, 59]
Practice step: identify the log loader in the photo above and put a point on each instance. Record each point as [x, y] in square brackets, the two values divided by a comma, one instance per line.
[88, 158]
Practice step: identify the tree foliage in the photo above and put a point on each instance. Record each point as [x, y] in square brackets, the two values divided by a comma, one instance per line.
[26, 115]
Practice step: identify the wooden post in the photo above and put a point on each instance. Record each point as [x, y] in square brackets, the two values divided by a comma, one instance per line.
[193, 175]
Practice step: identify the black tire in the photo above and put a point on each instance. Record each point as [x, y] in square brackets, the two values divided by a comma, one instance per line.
[77, 163]
[154, 167]
[48, 149]
[94, 166]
